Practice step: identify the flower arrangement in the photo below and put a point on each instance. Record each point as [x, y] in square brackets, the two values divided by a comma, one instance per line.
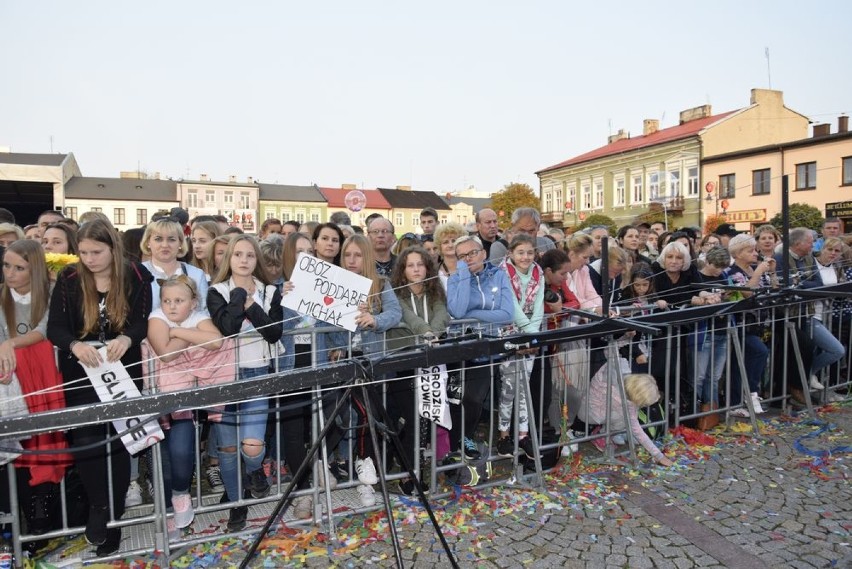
[58, 261]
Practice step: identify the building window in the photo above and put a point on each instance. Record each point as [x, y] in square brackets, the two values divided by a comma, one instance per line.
[692, 181]
[847, 171]
[760, 182]
[285, 215]
[141, 216]
[118, 216]
[270, 214]
[599, 194]
[653, 185]
[557, 199]
[244, 200]
[586, 192]
[229, 198]
[806, 176]
[398, 219]
[674, 183]
[300, 217]
[444, 218]
[415, 219]
[619, 192]
[192, 199]
[315, 217]
[209, 198]
[727, 186]
[71, 212]
[572, 197]
[96, 209]
[546, 205]
[637, 191]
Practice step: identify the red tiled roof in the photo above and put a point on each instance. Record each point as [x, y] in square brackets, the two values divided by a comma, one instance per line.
[336, 198]
[670, 134]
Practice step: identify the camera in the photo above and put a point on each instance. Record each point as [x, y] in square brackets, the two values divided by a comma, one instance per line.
[550, 296]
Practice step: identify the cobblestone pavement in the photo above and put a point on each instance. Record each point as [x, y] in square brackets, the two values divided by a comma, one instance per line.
[732, 501]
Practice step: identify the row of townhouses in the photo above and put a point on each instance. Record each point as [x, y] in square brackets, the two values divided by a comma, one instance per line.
[32, 183]
[731, 162]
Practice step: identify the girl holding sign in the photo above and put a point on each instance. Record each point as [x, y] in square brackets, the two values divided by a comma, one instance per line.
[379, 314]
[424, 318]
[101, 301]
[242, 301]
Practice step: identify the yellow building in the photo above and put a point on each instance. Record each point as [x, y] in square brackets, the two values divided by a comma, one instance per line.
[747, 183]
[661, 169]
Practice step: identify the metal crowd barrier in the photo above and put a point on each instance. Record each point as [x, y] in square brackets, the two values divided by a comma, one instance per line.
[566, 356]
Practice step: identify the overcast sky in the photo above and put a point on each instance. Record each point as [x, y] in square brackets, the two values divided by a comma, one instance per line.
[437, 95]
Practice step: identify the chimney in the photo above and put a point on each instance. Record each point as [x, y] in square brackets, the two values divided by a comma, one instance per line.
[232, 179]
[822, 130]
[204, 178]
[650, 126]
[250, 179]
[620, 135]
[842, 124]
[695, 113]
[348, 187]
[404, 188]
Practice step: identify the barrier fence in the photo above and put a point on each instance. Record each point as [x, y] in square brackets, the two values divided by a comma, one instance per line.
[707, 362]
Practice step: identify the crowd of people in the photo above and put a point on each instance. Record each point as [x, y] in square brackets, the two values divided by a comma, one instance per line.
[183, 303]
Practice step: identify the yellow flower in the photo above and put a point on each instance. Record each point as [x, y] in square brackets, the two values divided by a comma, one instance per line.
[58, 261]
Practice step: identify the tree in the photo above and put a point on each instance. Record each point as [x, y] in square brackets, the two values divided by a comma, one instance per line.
[801, 215]
[712, 223]
[510, 198]
[599, 219]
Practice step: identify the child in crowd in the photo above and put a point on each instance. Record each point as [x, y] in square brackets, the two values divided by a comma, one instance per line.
[639, 296]
[641, 390]
[203, 234]
[380, 313]
[190, 352]
[424, 318]
[241, 301]
[527, 282]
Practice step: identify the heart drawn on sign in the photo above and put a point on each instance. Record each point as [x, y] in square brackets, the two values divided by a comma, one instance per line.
[327, 300]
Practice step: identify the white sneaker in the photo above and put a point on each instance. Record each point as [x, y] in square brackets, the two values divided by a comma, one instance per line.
[368, 495]
[755, 401]
[816, 384]
[184, 514]
[303, 508]
[172, 530]
[366, 471]
[325, 475]
[134, 495]
[740, 412]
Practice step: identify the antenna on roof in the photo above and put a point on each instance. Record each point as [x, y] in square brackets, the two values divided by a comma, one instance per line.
[768, 68]
[662, 119]
[609, 124]
[51, 144]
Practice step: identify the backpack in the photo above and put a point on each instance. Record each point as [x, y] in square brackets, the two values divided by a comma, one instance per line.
[473, 473]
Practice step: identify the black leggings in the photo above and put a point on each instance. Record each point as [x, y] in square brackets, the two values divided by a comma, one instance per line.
[92, 466]
[477, 381]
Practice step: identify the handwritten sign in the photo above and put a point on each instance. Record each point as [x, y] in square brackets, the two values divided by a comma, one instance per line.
[112, 383]
[326, 292]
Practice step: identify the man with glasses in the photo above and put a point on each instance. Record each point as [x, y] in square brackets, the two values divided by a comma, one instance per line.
[524, 220]
[481, 291]
[381, 235]
[487, 228]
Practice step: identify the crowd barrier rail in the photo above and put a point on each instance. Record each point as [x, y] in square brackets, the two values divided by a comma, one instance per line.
[781, 317]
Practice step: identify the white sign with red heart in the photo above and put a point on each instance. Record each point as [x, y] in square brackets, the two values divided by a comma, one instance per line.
[326, 292]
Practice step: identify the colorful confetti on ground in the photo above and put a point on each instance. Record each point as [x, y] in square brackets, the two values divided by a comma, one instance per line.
[581, 483]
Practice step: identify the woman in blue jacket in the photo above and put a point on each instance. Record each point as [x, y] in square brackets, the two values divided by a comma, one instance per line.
[477, 290]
